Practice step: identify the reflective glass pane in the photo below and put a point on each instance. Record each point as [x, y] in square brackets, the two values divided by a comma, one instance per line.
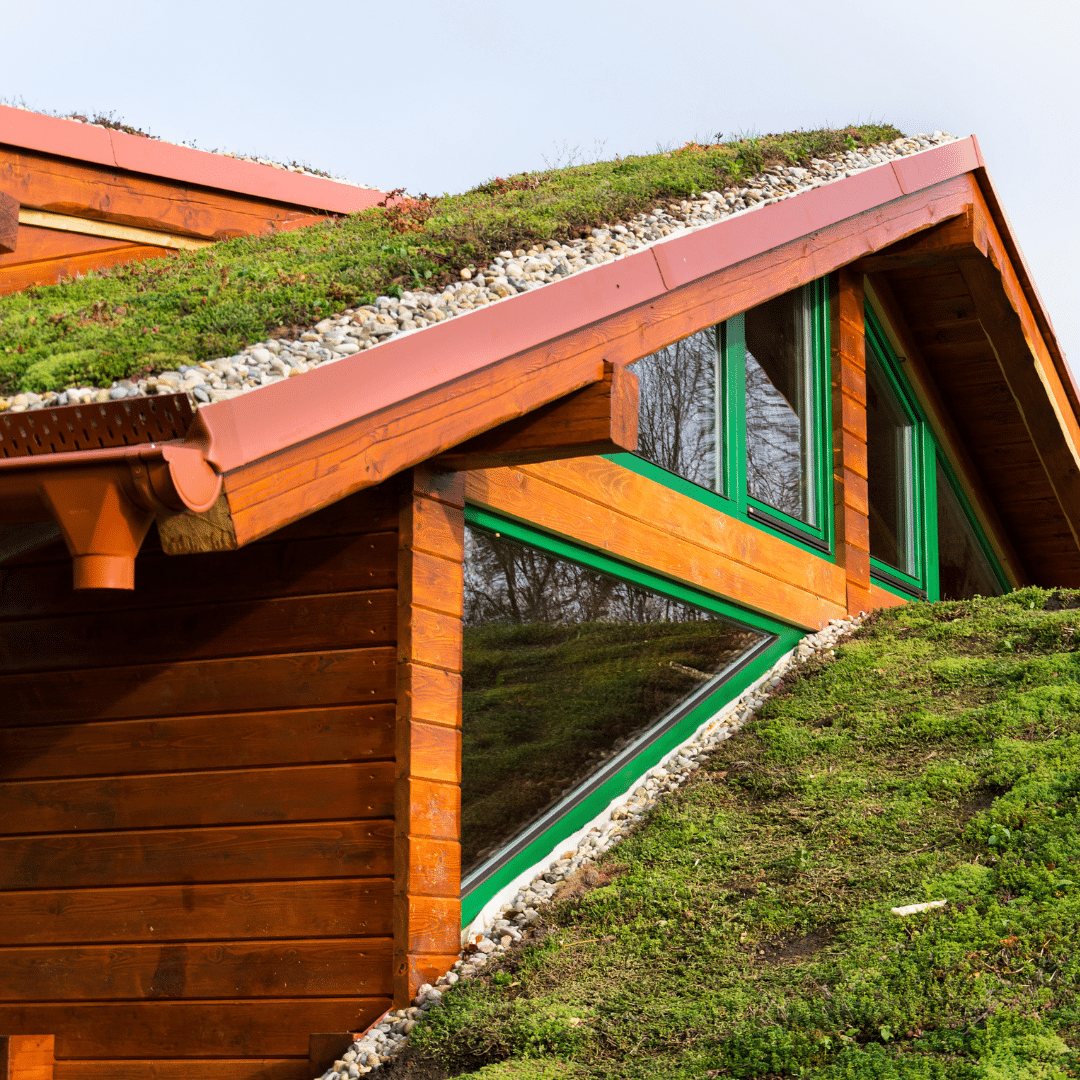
[963, 568]
[564, 667]
[890, 446]
[678, 413]
[779, 405]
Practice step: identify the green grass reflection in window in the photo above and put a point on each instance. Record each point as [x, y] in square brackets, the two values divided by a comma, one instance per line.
[571, 673]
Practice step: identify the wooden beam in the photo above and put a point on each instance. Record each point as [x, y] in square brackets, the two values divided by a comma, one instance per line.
[961, 237]
[43, 219]
[82, 189]
[850, 495]
[26, 1057]
[1027, 382]
[15, 278]
[427, 848]
[598, 419]
[9, 223]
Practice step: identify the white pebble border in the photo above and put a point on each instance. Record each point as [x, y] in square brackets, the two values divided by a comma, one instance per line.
[489, 937]
[358, 329]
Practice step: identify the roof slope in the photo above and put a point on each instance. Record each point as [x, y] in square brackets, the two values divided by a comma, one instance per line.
[205, 305]
[746, 927]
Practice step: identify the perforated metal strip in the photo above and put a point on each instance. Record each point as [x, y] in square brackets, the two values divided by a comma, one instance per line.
[94, 427]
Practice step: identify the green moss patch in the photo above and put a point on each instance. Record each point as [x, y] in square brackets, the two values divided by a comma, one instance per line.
[210, 303]
[746, 926]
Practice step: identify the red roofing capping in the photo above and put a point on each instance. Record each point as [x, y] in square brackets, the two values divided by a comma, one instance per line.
[252, 426]
[26, 130]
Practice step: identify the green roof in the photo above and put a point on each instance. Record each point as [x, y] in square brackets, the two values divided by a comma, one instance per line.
[152, 316]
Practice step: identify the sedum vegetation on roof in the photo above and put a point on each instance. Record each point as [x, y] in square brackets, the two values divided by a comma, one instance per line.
[196, 306]
[745, 929]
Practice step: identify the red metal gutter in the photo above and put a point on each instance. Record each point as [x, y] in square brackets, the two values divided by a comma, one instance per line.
[119, 150]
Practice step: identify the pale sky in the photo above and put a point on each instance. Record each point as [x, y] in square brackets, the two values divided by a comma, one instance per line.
[438, 97]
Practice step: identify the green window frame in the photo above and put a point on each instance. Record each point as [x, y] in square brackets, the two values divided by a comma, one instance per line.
[927, 454]
[920, 582]
[733, 498]
[529, 850]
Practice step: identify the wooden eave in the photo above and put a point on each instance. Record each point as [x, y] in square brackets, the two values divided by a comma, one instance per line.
[88, 198]
[291, 448]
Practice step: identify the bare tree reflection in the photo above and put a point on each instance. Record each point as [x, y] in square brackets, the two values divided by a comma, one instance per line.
[678, 419]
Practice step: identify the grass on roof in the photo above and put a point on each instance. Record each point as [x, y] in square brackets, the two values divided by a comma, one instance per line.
[151, 316]
[744, 930]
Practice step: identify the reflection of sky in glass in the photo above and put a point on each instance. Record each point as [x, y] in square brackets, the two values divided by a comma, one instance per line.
[563, 667]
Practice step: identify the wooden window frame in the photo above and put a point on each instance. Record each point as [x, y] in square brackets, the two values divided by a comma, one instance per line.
[590, 799]
[734, 500]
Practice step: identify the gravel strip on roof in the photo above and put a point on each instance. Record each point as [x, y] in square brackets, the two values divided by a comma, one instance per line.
[511, 272]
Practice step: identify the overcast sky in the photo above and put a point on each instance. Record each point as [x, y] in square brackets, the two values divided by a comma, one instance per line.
[438, 97]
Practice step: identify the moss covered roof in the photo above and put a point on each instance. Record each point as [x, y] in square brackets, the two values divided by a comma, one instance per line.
[195, 306]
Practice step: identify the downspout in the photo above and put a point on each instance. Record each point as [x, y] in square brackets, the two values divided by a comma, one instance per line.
[104, 501]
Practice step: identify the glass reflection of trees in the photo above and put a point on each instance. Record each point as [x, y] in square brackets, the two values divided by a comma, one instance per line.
[779, 405]
[563, 666]
[678, 415]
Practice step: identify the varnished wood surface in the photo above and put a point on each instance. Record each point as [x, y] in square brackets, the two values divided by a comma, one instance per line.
[20, 276]
[220, 797]
[197, 798]
[175, 744]
[600, 419]
[193, 1029]
[427, 849]
[331, 677]
[9, 223]
[271, 570]
[27, 1057]
[195, 631]
[614, 510]
[322, 907]
[66, 186]
[334, 849]
[850, 495]
[326, 967]
[255, 1068]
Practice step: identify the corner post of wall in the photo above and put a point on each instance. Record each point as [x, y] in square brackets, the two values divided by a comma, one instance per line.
[850, 488]
[427, 795]
[27, 1057]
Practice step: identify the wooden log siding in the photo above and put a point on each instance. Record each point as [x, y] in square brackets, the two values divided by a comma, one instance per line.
[427, 882]
[850, 496]
[197, 789]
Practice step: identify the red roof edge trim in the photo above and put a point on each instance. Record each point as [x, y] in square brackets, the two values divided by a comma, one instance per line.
[252, 426]
[117, 149]
[1023, 273]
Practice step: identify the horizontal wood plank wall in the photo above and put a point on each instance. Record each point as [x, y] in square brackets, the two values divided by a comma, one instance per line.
[427, 882]
[82, 189]
[850, 493]
[197, 794]
[616, 511]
